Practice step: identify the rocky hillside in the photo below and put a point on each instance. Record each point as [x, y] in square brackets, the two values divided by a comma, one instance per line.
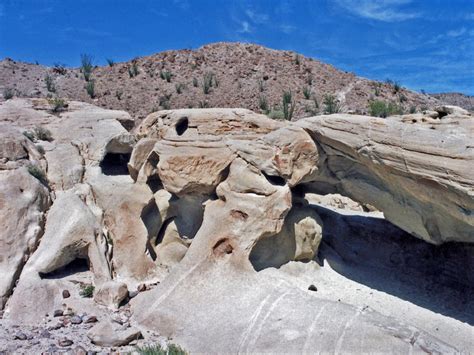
[457, 99]
[216, 75]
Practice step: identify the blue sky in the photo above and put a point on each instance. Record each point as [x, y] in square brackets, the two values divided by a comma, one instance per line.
[423, 44]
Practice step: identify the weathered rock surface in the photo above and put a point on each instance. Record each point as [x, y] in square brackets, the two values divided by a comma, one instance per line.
[402, 169]
[200, 207]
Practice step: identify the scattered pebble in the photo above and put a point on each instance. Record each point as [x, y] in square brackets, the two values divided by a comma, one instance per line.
[58, 313]
[312, 288]
[20, 336]
[90, 319]
[141, 288]
[66, 294]
[76, 320]
[64, 342]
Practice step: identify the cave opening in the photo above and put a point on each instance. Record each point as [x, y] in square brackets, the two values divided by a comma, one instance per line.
[115, 164]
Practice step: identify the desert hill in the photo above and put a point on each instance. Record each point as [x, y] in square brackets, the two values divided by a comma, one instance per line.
[231, 74]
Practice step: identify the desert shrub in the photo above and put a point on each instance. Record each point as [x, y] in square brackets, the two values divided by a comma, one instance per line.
[412, 109]
[195, 82]
[261, 86]
[314, 109]
[307, 92]
[90, 88]
[179, 87]
[164, 101]
[118, 94]
[309, 80]
[276, 114]
[288, 105]
[57, 104]
[383, 109]
[40, 149]
[263, 103]
[30, 135]
[157, 349]
[87, 290]
[42, 134]
[207, 81]
[38, 173]
[110, 62]
[86, 66]
[49, 81]
[166, 75]
[8, 93]
[203, 104]
[331, 105]
[133, 69]
[59, 69]
[297, 59]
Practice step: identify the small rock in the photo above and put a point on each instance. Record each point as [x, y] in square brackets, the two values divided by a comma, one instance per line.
[58, 313]
[109, 334]
[68, 312]
[64, 342]
[56, 326]
[20, 336]
[79, 350]
[90, 319]
[76, 320]
[111, 294]
[132, 294]
[312, 288]
[66, 294]
[141, 288]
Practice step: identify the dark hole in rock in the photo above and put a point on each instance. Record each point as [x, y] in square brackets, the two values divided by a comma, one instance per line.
[182, 125]
[115, 164]
[161, 233]
[74, 267]
[274, 179]
[222, 247]
[154, 183]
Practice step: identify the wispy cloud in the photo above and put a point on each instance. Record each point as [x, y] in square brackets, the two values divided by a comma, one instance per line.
[381, 10]
[287, 29]
[258, 18]
[456, 33]
[244, 27]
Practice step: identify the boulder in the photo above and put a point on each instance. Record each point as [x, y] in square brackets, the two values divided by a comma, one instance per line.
[111, 334]
[111, 294]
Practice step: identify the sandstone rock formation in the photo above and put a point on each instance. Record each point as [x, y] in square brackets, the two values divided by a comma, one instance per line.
[201, 206]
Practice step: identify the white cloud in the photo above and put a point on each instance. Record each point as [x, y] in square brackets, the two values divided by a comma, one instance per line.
[287, 28]
[381, 10]
[256, 17]
[456, 33]
[245, 27]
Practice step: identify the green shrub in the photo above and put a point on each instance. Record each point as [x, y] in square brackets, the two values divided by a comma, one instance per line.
[207, 81]
[313, 110]
[118, 94]
[288, 105]
[331, 105]
[383, 109]
[133, 69]
[49, 81]
[297, 59]
[157, 349]
[166, 75]
[8, 93]
[38, 173]
[276, 114]
[87, 291]
[59, 69]
[90, 88]
[263, 104]
[179, 87]
[412, 109]
[165, 101]
[57, 104]
[43, 134]
[195, 82]
[261, 86]
[309, 80]
[307, 92]
[30, 135]
[86, 66]
[203, 104]
[110, 62]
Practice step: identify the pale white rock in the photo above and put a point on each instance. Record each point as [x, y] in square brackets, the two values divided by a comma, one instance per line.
[111, 294]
